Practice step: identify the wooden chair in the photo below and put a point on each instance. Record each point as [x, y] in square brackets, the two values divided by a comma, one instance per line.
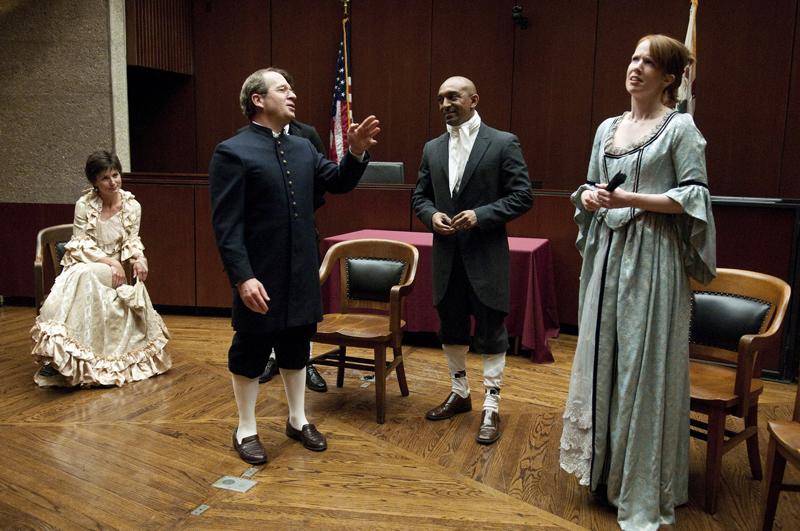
[735, 318]
[784, 445]
[374, 275]
[50, 240]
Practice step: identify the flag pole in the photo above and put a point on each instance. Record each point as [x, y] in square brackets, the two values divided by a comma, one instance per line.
[346, 37]
[342, 103]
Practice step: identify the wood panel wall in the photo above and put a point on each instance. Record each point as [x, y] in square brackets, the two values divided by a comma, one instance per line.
[790, 157]
[167, 231]
[159, 34]
[21, 223]
[551, 84]
[553, 57]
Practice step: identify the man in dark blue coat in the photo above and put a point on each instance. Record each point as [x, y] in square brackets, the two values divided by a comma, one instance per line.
[472, 181]
[314, 380]
[263, 184]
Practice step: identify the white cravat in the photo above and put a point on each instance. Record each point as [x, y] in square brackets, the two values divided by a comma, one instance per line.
[462, 138]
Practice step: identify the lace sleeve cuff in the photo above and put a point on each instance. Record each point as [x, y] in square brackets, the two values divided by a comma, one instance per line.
[132, 249]
[81, 249]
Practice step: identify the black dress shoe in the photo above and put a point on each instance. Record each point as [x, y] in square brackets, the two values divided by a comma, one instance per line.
[453, 405]
[309, 436]
[269, 371]
[489, 430]
[250, 450]
[314, 380]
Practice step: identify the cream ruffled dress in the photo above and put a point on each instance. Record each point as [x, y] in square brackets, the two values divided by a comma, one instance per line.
[89, 332]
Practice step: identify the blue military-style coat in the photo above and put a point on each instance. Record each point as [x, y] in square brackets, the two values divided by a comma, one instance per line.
[262, 200]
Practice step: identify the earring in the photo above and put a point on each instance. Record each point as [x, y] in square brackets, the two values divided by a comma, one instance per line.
[95, 189]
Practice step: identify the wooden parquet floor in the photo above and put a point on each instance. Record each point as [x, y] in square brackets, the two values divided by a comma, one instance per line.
[144, 456]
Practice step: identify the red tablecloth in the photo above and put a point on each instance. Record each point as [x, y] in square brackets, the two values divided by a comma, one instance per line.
[533, 315]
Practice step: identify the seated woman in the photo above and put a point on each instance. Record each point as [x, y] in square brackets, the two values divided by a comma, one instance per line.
[94, 328]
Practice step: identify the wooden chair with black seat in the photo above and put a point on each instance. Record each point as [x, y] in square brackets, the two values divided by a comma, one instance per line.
[375, 276]
[784, 445]
[50, 240]
[736, 319]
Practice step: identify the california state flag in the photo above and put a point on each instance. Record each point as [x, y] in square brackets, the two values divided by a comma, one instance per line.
[686, 90]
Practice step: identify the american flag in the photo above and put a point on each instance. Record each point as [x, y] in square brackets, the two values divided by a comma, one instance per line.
[686, 90]
[341, 108]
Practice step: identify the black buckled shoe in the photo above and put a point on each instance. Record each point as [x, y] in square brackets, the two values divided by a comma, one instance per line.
[314, 380]
[309, 436]
[453, 405]
[250, 450]
[489, 430]
[269, 371]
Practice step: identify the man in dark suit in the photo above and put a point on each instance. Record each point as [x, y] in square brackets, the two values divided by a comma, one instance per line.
[263, 184]
[314, 379]
[472, 181]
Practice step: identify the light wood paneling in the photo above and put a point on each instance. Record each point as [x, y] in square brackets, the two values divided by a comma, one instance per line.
[145, 455]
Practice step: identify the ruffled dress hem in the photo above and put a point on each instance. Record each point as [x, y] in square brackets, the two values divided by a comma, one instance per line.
[79, 366]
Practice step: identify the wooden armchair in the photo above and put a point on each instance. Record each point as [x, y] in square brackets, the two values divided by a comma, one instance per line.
[784, 445]
[50, 240]
[374, 275]
[735, 318]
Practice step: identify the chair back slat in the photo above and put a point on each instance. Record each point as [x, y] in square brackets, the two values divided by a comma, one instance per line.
[721, 319]
[371, 279]
[54, 240]
[734, 304]
[368, 269]
[50, 241]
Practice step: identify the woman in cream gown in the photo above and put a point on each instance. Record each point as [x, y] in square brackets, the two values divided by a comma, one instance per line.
[626, 420]
[94, 328]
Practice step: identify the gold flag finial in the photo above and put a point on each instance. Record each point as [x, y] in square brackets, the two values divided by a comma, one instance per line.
[346, 7]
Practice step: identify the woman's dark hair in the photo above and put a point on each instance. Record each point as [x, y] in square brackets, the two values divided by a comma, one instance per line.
[100, 161]
[672, 57]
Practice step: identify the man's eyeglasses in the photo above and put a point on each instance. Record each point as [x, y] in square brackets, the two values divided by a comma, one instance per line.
[280, 89]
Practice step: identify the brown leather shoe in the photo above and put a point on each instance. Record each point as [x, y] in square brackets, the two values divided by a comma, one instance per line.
[309, 436]
[251, 450]
[489, 430]
[453, 405]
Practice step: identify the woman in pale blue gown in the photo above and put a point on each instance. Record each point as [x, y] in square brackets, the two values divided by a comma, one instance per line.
[626, 420]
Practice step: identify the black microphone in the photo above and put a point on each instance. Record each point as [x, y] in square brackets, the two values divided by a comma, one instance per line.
[615, 181]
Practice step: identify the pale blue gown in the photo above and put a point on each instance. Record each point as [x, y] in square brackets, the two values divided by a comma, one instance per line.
[626, 420]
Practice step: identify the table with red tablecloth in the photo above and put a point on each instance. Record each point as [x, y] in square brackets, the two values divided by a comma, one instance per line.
[533, 314]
